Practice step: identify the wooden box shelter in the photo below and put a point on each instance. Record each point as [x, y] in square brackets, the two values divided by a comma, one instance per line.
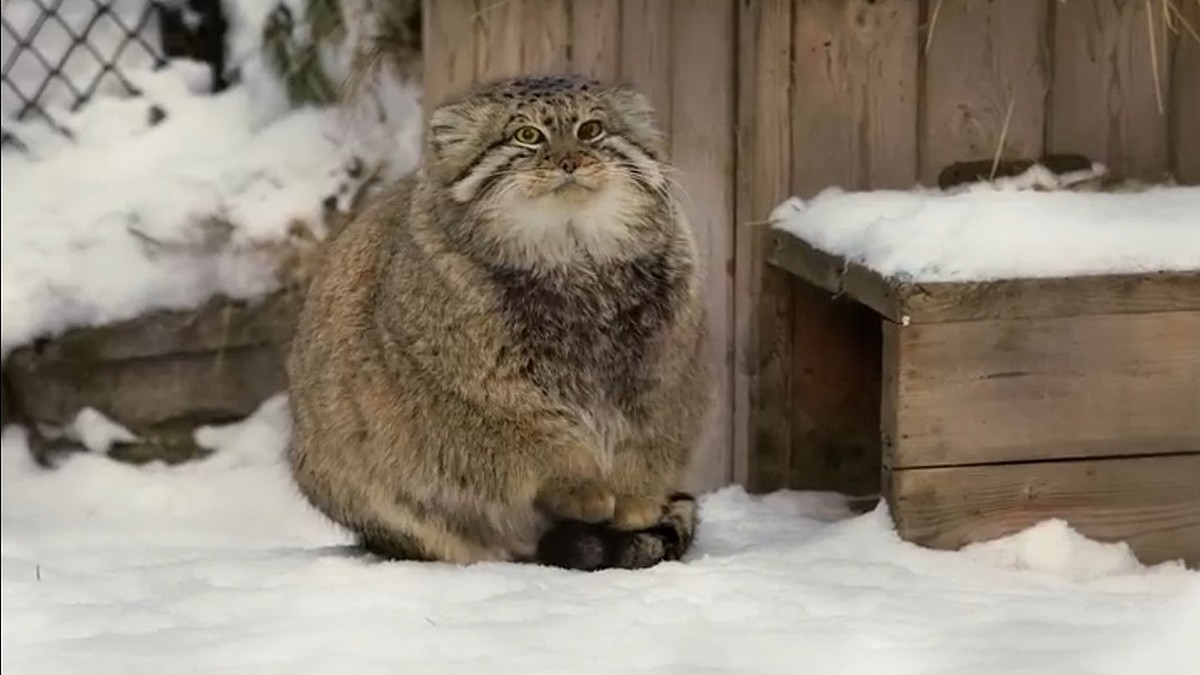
[766, 99]
[1006, 402]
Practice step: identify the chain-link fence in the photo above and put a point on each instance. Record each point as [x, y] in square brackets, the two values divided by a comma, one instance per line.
[59, 54]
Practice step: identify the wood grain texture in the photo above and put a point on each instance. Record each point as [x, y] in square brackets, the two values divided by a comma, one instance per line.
[854, 115]
[762, 305]
[596, 38]
[545, 37]
[937, 302]
[1184, 146]
[646, 53]
[1050, 297]
[1037, 389]
[982, 58]
[499, 29]
[854, 95]
[448, 54]
[837, 275]
[835, 383]
[1103, 101]
[1153, 503]
[703, 148]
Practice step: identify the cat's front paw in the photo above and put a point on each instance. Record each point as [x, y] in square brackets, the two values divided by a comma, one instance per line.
[588, 501]
[638, 512]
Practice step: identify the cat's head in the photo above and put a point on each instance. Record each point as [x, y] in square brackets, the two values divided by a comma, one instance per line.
[546, 153]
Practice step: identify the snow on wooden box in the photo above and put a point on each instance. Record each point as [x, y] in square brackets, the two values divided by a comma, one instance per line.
[1040, 355]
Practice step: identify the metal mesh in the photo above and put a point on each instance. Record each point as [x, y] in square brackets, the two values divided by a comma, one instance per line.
[64, 52]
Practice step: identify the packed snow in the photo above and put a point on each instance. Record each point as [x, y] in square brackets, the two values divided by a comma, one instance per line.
[219, 566]
[1001, 232]
[163, 200]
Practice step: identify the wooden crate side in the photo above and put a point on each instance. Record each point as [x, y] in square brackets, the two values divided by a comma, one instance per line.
[762, 306]
[1153, 503]
[596, 38]
[985, 82]
[1051, 297]
[1024, 390]
[1111, 85]
[702, 90]
[1184, 145]
[854, 122]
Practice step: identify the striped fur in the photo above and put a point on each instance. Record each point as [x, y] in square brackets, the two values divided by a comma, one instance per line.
[504, 358]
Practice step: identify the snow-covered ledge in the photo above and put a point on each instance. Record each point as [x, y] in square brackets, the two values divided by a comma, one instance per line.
[989, 251]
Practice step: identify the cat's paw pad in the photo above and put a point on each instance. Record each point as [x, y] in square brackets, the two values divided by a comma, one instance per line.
[589, 502]
[637, 512]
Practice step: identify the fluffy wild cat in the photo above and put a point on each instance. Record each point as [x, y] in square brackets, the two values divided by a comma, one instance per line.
[504, 358]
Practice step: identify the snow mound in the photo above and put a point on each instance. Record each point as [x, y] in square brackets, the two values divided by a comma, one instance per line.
[97, 433]
[138, 215]
[220, 566]
[990, 232]
[1054, 547]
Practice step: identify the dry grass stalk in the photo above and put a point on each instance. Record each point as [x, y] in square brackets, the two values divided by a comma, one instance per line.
[933, 17]
[1003, 136]
[1158, 94]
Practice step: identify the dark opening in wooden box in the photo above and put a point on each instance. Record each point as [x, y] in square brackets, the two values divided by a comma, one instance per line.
[1004, 403]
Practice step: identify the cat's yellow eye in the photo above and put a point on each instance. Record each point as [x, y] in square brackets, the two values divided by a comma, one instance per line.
[589, 130]
[528, 135]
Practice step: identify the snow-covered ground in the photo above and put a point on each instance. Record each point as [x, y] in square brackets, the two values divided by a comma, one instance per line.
[163, 200]
[997, 232]
[219, 566]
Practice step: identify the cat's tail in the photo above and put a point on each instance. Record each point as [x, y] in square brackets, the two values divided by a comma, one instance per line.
[585, 546]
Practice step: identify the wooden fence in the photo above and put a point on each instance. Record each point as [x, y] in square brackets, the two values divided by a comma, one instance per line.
[763, 99]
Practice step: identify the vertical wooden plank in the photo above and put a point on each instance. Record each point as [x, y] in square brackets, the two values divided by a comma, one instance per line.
[546, 37]
[1103, 102]
[646, 53]
[449, 53]
[498, 35]
[986, 63]
[596, 38]
[854, 124]
[702, 44]
[1185, 93]
[761, 306]
[854, 97]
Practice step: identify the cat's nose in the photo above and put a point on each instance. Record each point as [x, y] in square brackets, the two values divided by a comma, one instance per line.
[568, 163]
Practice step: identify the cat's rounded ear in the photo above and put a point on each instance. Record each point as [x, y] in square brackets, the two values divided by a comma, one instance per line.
[450, 127]
[637, 115]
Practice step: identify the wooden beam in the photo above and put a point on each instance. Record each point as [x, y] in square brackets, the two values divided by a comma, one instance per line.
[762, 303]
[702, 124]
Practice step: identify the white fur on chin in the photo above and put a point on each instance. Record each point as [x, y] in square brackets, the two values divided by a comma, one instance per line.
[567, 226]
